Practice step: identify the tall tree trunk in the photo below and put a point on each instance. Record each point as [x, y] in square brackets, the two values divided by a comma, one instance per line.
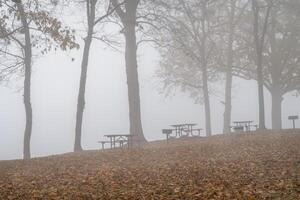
[261, 101]
[276, 109]
[128, 18]
[259, 46]
[133, 84]
[259, 71]
[27, 82]
[228, 101]
[83, 77]
[202, 49]
[276, 73]
[206, 103]
[228, 85]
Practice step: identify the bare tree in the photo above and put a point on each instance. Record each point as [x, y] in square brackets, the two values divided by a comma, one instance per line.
[280, 55]
[188, 27]
[90, 11]
[259, 33]
[92, 21]
[230, 57]
[280, 59]
[128, 17]
[234, 13]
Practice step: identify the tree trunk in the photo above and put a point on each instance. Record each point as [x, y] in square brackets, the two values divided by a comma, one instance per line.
[202, 49]
[228, 101]
[261, 101]
[206, 103]
[228, 85]
[83, 76]
[259, 46]
[128, 19]
[27, 83]
[276, 110]
[133, 84]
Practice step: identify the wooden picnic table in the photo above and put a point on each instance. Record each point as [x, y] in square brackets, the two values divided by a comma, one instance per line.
[293, 118]
[121, 139]
[180, 129]
[242, 125]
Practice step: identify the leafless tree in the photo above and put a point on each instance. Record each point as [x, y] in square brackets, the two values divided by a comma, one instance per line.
[127, 14]
[260, 27]
[92, 21]
[189, 29]
[280, 58]
[234, 12]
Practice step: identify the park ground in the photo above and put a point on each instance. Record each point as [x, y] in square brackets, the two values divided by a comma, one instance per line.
[236, 166]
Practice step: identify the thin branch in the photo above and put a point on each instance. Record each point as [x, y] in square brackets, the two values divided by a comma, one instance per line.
[109, 12]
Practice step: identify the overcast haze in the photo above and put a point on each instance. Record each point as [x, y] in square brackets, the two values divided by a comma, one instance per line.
[54, 99]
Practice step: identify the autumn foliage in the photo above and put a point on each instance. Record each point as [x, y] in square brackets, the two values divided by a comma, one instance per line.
[237, 166]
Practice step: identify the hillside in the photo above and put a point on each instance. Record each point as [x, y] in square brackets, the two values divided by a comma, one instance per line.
[237, 166]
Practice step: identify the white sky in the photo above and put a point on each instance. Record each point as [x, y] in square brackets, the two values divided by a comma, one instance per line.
[54, 98]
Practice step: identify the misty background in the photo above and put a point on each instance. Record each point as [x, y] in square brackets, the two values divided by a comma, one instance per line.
[54, 98]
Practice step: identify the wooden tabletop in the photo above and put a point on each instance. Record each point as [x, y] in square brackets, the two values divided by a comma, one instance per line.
[240, 122]
[187, 124]
[118, 135]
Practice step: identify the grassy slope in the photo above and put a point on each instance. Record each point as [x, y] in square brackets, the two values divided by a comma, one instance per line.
[252, 166]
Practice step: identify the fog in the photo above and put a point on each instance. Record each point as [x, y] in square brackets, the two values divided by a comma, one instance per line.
[231, 50]
[159, 99]
[54, 99]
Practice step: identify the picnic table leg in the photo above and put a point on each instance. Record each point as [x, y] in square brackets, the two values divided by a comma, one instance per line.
[102, 145]
[294, 126]
[128, 143]
[111, 143]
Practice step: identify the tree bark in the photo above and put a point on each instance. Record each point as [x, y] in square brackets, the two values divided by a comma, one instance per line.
[27, 82]
[133, 84]
[259, 46]
[83, 77]
[228, 84]
[261, 101]
[128, 18]
[276, 110]
[203, 52]
[206, 103]
[259, 70]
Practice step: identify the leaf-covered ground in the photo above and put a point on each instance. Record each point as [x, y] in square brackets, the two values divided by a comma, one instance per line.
[238, 166]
